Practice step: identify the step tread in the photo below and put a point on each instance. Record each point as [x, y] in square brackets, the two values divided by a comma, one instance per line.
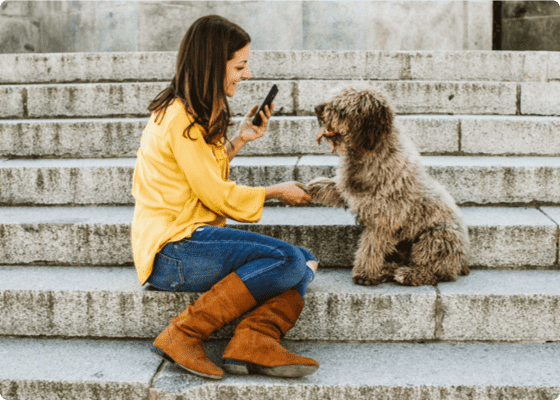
[481, 216]
[327, 281]
[347, 370]
[295, 161]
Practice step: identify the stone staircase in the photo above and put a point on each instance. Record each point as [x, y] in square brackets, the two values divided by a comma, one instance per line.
[75, 323]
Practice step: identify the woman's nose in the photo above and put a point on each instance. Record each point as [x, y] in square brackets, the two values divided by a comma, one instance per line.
[247, 74]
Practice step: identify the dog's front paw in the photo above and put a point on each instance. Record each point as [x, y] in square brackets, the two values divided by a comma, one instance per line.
[323, 190]
[365, 280]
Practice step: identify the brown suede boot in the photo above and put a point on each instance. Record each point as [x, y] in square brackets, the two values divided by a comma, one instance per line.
[181, 341]
[256, 343]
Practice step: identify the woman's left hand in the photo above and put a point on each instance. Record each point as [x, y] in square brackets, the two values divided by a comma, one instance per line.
[248, 131]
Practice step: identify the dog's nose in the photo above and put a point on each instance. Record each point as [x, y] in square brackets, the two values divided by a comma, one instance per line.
[319, 110]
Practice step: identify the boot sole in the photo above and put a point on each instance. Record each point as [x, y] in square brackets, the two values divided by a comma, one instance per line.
[285, 371]
[163, 355]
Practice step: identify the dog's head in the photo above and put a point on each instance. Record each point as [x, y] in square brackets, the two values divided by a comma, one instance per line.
[355, 119]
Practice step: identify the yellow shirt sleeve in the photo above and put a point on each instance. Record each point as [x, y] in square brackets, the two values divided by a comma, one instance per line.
[180, 184]
[198, 162]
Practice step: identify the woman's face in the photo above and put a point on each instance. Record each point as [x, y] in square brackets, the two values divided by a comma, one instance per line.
[237, 70]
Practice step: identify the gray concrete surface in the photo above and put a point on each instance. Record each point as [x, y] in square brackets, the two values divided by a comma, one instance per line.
[120, 137]
[132, 99]
[75, 369]
[357, 371]
[540, 99]
[109, 302]
[95, 181]
[407, 97]
[502, 306]
[389, 371]
[412, 97]
[497, 306]
[500, 66]
[501, 135]
[273, 25]
[11, 102]
[500, 237]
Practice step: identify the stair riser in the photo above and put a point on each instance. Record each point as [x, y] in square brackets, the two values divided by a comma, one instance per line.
[109, 244]
[368, 316]
[145, 315]
[393, 65]
[111, 185]
[286, 136]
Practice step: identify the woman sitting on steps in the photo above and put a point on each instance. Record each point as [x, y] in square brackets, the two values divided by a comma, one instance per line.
[182, 199]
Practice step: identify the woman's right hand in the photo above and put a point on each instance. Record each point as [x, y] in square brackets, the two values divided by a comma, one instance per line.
[289, 193]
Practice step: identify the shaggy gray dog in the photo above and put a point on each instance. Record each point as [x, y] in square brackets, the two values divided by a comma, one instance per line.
[414, 232]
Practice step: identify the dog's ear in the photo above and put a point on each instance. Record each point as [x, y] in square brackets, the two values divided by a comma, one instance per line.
[372, 121]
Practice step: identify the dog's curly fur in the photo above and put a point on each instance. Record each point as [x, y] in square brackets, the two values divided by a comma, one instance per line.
[414, 232]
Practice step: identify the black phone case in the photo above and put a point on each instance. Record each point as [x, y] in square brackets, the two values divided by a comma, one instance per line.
[257, 120]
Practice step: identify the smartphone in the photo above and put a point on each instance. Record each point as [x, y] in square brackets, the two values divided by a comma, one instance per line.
[257, 120]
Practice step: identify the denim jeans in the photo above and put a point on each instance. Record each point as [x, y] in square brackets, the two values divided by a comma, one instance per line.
[267, 266]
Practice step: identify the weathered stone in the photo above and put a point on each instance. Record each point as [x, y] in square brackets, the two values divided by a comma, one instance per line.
[66, 369]
[18, 35]
[500, 238]
[389, 17]
[540, 98]
[365, 371]
[336, 25]
[11, 102]
[510, 135]
[272, 25]
[498, 180]
[309, 64]
[71, 138]
[109, 302]
[86, 67]
[554, 66]
[422, 97]
[502, 306]
[132, 99]
[92, 138]
[534, 33]
[85, 181]
[458, 66]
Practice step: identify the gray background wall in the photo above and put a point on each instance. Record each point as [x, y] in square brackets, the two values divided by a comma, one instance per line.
[530, 25]
[97, 26]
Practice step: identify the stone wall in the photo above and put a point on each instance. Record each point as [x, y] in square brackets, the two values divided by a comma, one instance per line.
[530, 25]
[98, 26]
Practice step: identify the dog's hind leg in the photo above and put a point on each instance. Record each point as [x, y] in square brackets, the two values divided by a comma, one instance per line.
[436, 257]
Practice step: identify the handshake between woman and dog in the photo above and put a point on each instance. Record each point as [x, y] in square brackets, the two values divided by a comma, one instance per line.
[414, 232]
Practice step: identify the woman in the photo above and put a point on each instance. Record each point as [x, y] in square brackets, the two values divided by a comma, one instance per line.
[183, 197]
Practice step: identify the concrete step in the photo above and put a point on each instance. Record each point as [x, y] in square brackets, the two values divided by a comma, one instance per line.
[127, 370]
[507, 66]
[98, 302]
[432, 134]
[512, 238]
[294, 98]
[94, 181]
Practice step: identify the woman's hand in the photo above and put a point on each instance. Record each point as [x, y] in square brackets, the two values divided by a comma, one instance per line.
[248, 131]
[289, 193]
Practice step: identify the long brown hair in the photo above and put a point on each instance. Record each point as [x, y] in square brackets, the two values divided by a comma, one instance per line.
[200, 73]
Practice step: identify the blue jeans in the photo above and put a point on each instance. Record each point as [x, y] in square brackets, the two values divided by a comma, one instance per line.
[267, 266]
